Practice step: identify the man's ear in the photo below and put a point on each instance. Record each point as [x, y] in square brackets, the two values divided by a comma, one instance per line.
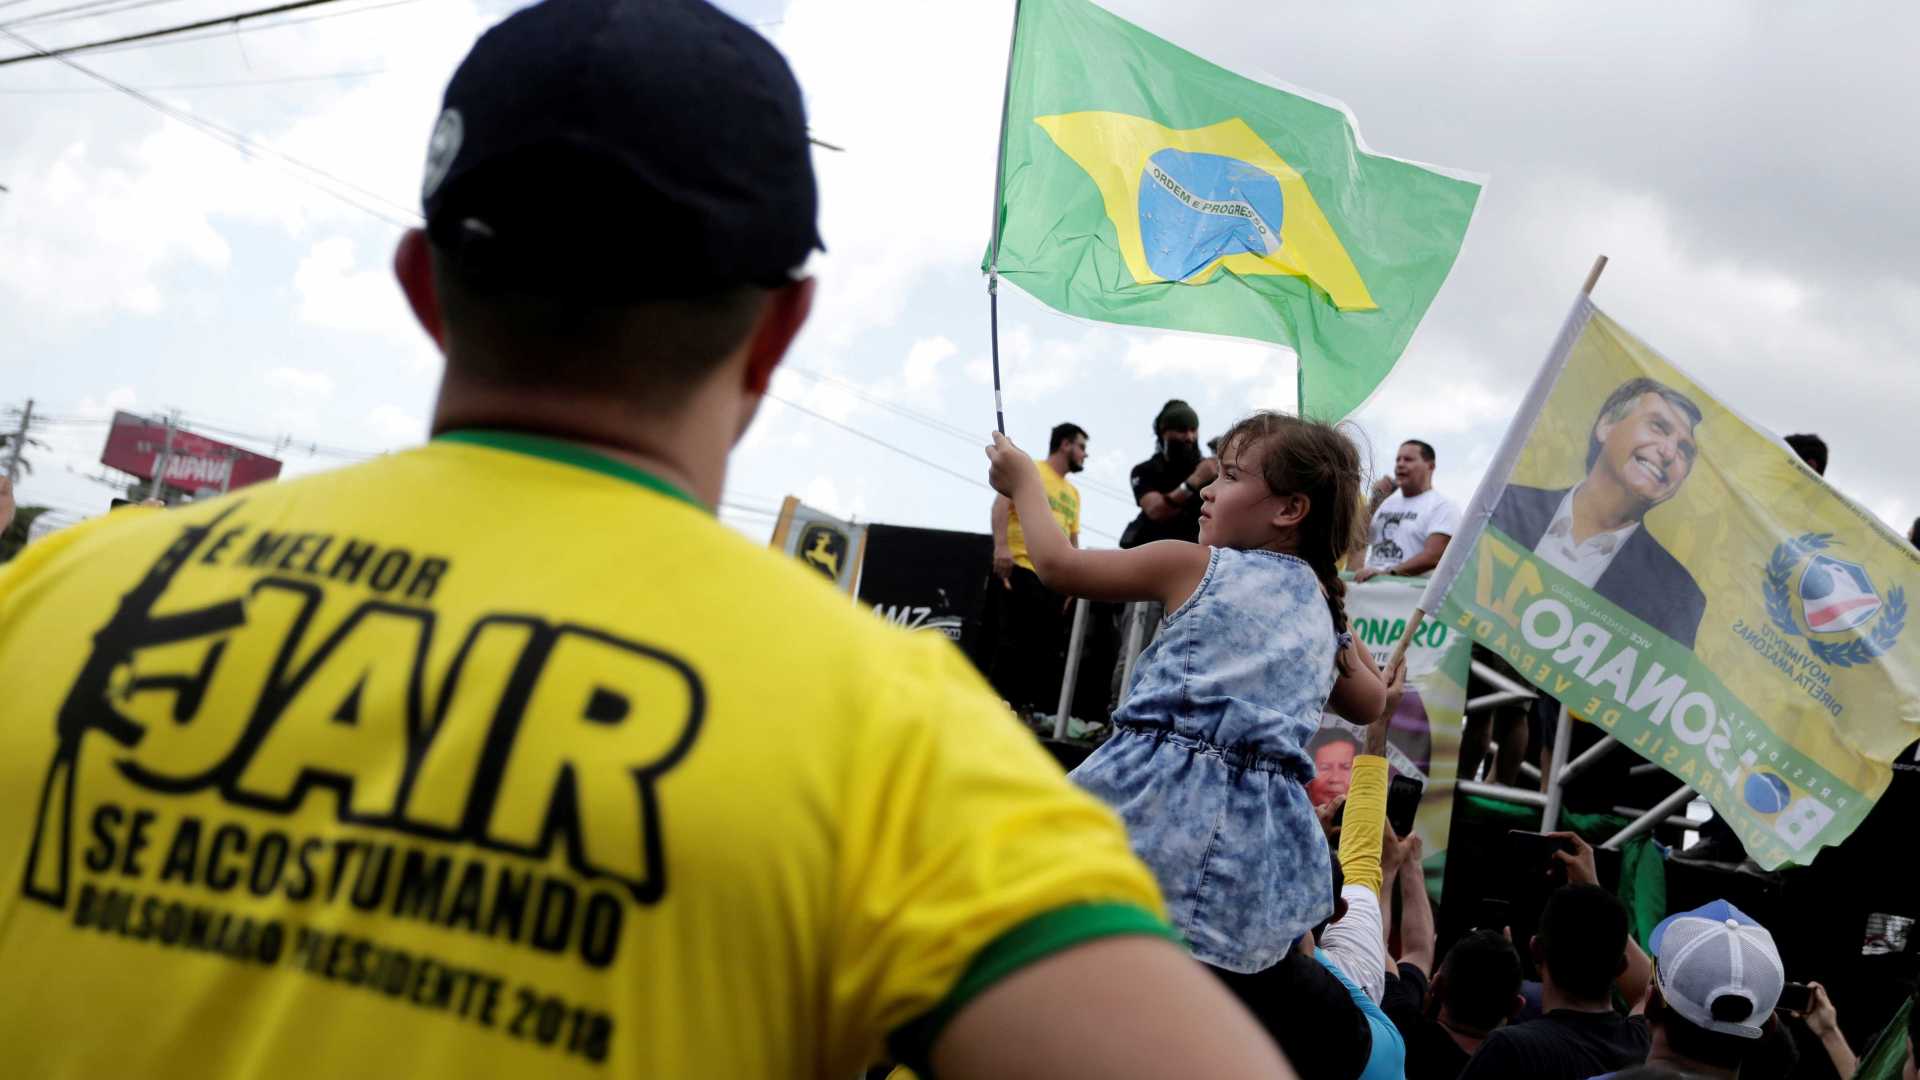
[1519, 1002]
[1291, 510]
[413, 266]
[1602, 428]
[786, 311]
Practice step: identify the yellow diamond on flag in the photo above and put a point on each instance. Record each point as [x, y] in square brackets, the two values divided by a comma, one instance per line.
[1188, 202]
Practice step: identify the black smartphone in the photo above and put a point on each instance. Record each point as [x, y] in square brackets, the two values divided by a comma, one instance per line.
[1795, 998]
[1531, 854]
[1403, 802]
[1494, 914]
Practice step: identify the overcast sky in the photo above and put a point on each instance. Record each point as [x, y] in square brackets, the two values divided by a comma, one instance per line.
[1750, 169]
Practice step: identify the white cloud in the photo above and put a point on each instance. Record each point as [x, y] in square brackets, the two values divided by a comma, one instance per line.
[924, 359]
[339, 293]
[393, 426]
[301, 383]
[93, 232]
[915, 162]
[1203, 357]
[118, 399]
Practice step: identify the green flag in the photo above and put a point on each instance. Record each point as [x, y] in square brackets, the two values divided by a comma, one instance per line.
[1144, 185]
[1887, 1058]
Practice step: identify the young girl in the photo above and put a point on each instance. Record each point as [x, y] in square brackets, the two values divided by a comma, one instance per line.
[1207, 765]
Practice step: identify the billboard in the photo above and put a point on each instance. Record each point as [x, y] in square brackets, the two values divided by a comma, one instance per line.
[194, 462]
[831, 546]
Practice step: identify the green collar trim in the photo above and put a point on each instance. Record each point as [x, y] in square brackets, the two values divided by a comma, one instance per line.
[567, 453]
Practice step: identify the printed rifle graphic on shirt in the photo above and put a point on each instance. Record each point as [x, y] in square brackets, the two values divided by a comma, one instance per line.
[536, 739]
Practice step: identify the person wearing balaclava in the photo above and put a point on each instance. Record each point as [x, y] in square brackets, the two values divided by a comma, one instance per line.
[1167, 485]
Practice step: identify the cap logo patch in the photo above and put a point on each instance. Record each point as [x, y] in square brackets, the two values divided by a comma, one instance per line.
[442, 149]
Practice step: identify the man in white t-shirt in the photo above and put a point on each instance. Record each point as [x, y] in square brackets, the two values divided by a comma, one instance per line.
[1411, 522]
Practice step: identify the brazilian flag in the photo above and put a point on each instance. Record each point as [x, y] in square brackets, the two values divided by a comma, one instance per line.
[1143, 185]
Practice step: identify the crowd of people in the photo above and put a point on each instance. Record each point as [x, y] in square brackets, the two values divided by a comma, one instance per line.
[805, 845]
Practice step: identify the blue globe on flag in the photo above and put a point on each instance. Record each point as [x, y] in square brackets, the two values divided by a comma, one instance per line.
[1197, 208]
[1767, 793]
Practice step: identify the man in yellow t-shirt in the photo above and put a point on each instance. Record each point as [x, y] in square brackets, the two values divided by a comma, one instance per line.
[1027, 620]
[501, 757]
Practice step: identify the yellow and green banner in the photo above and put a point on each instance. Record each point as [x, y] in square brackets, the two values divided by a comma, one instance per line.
[1675, 574]
[1144, 185]
[1423, 739]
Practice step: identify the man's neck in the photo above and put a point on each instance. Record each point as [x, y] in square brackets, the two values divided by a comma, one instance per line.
[1413, 489]
[1462, 1037]
[1662, 1053]
[688, 449]
[1600, 505]
[1060, 463]
[1553, 999]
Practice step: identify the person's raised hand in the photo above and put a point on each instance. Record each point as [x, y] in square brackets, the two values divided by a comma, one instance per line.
[1008, 466]
[1158, 507]
[1396, 677]
[1821, 1016]
[1205, 473]
[1384, 486]
[1325, 812]
[1579, 861]
[1396, 851]
[1376, 737]
[1003, 566]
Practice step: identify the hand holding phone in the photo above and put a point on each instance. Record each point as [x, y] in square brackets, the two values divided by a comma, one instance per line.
[1533, 855]
[1796, 998]
[1403, 803]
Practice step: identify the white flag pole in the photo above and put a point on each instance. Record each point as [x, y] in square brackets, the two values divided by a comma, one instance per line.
[1480, 507]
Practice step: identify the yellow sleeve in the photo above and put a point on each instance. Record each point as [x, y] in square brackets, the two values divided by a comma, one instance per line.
[1365, 821]
[967, 855]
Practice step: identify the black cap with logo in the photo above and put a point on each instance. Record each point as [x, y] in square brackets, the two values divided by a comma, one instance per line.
[622, 150]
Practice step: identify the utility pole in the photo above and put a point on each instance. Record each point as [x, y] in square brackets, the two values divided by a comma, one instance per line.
[158, 489]
[19, 443]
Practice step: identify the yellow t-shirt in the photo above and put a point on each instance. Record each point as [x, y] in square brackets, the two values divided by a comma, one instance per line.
[1062, 498]
[499, 757]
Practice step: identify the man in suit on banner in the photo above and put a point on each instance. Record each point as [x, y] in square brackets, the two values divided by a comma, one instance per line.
[1639, 454]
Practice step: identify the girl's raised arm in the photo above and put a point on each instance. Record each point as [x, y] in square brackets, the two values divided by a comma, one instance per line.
[1167, 571]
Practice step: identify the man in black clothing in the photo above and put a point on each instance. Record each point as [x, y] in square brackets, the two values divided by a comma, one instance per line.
[1719, 981]
[1167, 485]
[1582, 947]
[1476, 991]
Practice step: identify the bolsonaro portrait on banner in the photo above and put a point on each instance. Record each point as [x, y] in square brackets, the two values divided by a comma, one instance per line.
[1640, 452]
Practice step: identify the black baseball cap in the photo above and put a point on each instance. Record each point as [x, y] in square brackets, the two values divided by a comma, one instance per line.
[622, 150]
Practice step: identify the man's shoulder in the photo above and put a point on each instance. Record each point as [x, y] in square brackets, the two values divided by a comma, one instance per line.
[1524, 513]
[1656, 561]
[1520, 496]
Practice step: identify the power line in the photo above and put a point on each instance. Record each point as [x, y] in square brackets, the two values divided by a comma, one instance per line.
[90, 9]
[243, 143]
[937, 424]
[255, 28]
[738, 509]
[148, 35]
[336, 76]
[910, 455]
